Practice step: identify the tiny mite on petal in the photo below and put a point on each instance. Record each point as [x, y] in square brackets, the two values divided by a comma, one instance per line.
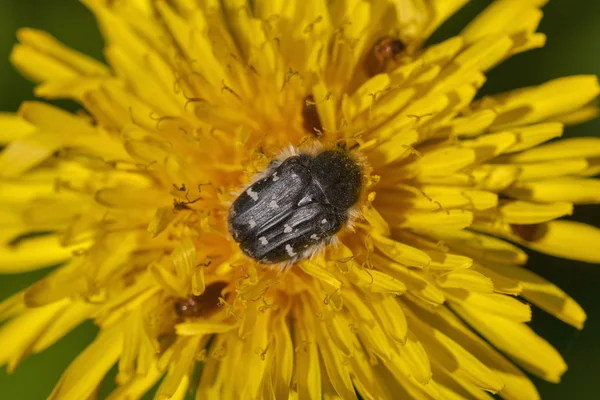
[386, 49]
[314, 197]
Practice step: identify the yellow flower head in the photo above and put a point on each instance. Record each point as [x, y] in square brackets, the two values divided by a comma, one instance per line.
[131, 197]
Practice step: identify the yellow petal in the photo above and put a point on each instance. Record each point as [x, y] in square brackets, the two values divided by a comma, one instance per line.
[144, 84]
[417, 284]
[21, 155]
[364, 96]
[36, 252]
[391, 149]
[551, 169]
[70, 88]
[453, 356]
[202, 327]
[368, 383]
[524, 213]
[284, 360]
[490, 303]
[131, 348]
[37, 66]
[574, 190]
[466, 279]
[569, 239]
[546, 295]
[64, 322]
[467, 126]
[516, 385]
[13, 127]
[138, 385]
[375, 281]
[166, 279]
[593, 168]
[534, 135]
[455, 386]
[491, 145]
[530, 105]
[490, 177]
[519, 341]
[416, 357]
[337, 371]
[198, 281]
[478, 246]
[184, 352]
[12, 306]
[500, 16]
[441, 260]
[317, 271]
[386, 105]
[454, 197]
[326, 108]
[123, 197]
[259, 339]
[86, 372]
[19, 335]
[445, 261]
[51, 118]
[445, 219]
[442, 162]
[307, 371]
[579, 116]
[481, 56]
[433, 197]
[586, 147]
[162, 218]
[184, 258]
[440, 10]
[400, 252]
[212, 373]
[46, 44]
[391, 316]
[377, 223]
[502, 284]
[361, 324]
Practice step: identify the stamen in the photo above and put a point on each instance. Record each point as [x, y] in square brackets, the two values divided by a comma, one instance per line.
[419, 117]
[261, 352]
[226, 88]
[310, 27]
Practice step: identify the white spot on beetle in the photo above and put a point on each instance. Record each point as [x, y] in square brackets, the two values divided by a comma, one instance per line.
[275, 177]
[290, 250]
[273, 204]
[314, 236]
[263, 240]
[252, 223]
[323, 221]
[252, 194]
[287, 228]
[294, 175]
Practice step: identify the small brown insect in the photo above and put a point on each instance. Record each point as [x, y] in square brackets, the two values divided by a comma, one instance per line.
[197, 306]
[310, 116]
[531, 233]
[383, 51]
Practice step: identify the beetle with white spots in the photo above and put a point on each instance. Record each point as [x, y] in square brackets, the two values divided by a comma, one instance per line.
[297, 207]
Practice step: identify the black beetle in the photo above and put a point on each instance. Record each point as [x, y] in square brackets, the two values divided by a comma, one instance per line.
[297, 207]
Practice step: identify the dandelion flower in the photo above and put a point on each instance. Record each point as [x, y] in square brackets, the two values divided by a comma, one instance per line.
[427, 296]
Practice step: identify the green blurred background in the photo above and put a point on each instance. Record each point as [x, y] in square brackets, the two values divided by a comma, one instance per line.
[573, 47]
